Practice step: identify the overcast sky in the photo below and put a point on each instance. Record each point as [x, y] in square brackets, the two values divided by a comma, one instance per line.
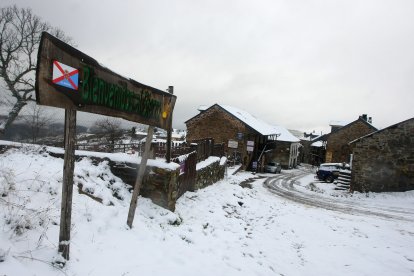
[296, 63]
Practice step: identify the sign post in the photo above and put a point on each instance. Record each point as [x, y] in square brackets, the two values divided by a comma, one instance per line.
[69, 79]
[67, 184]
[140, 176]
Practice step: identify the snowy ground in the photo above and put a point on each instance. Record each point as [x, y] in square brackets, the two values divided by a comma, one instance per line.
[224, 229]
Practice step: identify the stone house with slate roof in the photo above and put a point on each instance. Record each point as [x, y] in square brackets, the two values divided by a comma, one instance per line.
[383, 161]
[338, 149]
[256, 140]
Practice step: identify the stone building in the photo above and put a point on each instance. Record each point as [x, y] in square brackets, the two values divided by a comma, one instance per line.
[338, 149]
[250, 138]
[384, 160]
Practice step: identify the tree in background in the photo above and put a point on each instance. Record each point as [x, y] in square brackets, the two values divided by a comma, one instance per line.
[38, 121]
[20, 33]
[110, 127]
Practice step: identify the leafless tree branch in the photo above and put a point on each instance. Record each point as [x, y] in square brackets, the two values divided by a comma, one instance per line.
[20, 34]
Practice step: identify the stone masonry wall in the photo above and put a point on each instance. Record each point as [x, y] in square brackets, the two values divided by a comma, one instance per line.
[221, 126]
[338, 149]
[384, 161]
[214, 123]
[210, 175]
[159, 184]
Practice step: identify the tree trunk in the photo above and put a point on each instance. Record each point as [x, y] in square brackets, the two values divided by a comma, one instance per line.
[12, 115]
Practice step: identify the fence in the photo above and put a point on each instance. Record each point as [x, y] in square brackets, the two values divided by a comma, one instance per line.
[203, 148]
[206, 148]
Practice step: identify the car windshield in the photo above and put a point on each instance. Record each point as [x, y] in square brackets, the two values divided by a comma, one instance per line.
[271, 164]
[328, 168]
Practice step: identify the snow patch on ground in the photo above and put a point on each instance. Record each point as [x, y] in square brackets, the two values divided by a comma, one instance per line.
[224, 229]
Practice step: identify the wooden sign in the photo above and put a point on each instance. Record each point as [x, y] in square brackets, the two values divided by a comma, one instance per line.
[70, 79]
[233, 144]
[250, 146]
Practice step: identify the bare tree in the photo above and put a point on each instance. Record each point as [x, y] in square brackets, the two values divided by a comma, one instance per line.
[111, 127]
[38, 120]
[20, 33]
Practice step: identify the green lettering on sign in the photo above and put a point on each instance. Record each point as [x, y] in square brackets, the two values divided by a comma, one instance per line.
[97, 91]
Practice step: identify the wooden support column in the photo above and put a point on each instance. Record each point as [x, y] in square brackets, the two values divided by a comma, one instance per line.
[169, 130]
[67, 184]
[140, 176]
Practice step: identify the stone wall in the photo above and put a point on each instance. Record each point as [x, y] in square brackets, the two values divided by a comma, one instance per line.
[384, 161]
[338, 149]
[210, 174]
[162, 185]
[159, 184]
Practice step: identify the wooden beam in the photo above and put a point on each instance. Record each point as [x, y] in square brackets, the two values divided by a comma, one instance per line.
[169, 131]
[140, 176]
[67, 185]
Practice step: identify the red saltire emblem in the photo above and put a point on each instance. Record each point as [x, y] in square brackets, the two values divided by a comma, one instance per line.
[65, 75]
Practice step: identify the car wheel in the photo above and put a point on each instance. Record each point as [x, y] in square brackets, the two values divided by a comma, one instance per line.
[329, 179]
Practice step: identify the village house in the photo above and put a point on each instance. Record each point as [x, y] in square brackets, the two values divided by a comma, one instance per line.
[317, 152]
[310, 152]
[246, 138]
[337, 147]
[383, 161]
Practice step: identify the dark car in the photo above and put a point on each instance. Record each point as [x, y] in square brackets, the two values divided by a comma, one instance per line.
[273, 167]
[328, 172]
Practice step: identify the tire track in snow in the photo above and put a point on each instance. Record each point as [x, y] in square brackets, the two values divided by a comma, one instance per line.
[284, 186]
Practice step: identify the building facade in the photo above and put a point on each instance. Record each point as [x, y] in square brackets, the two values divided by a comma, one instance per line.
[246, 138]
[338, 149]
[384, 160]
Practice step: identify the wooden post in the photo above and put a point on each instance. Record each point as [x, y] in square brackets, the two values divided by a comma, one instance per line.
[140, 176]
[169, 130]
[67, 184]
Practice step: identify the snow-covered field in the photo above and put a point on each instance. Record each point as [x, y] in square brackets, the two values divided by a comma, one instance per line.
[224, 229]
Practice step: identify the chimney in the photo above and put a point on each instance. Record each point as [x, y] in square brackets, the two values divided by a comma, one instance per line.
[370, 120]
[365, 117]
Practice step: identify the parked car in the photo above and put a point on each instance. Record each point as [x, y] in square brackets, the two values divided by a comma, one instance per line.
[273, 167]
[328, 172]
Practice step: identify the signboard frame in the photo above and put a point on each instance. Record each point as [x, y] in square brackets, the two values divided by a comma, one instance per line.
[100, 90]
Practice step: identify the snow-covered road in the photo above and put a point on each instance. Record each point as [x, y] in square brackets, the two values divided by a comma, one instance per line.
[287, 185]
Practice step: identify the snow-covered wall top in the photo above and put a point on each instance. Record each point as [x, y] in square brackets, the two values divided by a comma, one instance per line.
[117, 157]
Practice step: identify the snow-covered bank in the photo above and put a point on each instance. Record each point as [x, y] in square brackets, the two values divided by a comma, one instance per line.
[223, 229]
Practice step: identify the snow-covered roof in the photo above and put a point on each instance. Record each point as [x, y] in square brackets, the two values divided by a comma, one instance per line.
[257, 124]
[285, 135]
[298, 134]
[338, 123]
[317, 144]
[261, 126]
